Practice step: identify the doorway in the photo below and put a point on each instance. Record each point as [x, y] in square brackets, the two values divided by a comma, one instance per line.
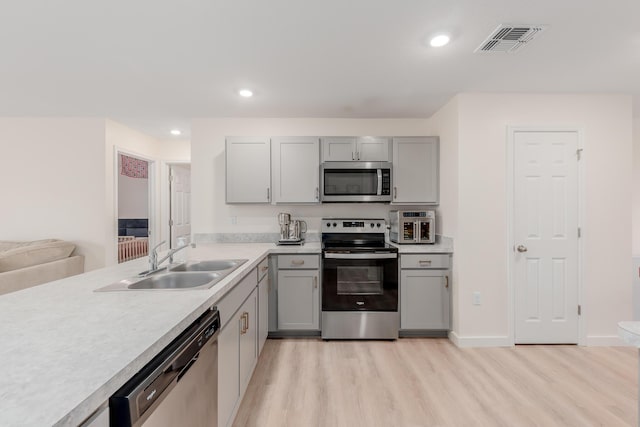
[134, 208]
[544, 252]
[179, 203]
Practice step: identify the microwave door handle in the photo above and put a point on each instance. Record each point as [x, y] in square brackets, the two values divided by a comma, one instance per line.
[379, 192]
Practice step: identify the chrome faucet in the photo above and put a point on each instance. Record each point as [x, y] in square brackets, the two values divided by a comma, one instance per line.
[153, 255]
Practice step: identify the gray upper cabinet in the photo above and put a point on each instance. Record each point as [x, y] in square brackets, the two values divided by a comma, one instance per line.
[416, 170]
[296, 162]
[248, 170]
[351, 148]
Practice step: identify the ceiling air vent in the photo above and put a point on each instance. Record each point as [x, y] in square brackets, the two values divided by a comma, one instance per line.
[509, 38]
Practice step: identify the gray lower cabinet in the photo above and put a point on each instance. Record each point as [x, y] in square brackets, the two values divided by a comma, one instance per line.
[298, 292]
[425, 292]
[237, 346]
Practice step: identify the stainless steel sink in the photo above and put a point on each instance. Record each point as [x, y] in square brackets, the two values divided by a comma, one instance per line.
[188, 275]
[177, 281]
[214, 265]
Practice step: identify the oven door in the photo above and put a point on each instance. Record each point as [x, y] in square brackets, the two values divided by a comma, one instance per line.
[359, 281]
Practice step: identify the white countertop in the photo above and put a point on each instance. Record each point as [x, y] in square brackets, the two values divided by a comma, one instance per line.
[443, 245]
[65, 349]
[630, 332]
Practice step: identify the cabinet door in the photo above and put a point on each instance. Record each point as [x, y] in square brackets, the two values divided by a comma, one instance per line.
[296, 169]
[424, 299]
[248, 170]
[415, 170]
[298, 300]
[228, 370]
[263, 312]
[373, 149]
[248, 339]
[339, 149]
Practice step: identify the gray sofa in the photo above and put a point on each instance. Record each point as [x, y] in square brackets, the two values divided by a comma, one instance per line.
[26, 264]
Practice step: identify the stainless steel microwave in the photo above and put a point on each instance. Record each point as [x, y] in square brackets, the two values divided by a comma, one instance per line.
[355, 181]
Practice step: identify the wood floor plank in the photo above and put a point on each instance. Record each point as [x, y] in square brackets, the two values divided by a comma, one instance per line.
[430, 382]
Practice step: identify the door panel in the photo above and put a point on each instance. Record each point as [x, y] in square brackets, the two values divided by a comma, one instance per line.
[546, 229]
[180, 210]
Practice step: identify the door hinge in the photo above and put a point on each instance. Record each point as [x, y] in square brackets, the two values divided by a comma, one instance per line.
[171, 177]
[579, 153]
[579, 232]
[170, 223]
[579, 310]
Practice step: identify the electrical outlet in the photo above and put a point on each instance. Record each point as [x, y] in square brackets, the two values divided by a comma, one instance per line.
[476, 298]
[234, 220]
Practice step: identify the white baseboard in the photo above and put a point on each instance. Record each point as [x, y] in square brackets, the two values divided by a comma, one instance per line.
[605, 341]
[479, 341]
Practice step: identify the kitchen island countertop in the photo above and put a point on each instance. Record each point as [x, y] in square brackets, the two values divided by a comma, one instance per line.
[65, 348]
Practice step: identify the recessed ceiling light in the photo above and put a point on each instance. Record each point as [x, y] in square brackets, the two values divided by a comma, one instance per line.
[439, 41]
[245, 93]
[175, 132]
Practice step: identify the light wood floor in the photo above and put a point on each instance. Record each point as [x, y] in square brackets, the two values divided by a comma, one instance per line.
[431, 382]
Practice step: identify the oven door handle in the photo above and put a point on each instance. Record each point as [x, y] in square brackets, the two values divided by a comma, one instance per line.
[330, 255]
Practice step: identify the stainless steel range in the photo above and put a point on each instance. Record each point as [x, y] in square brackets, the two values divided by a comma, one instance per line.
[359, 280]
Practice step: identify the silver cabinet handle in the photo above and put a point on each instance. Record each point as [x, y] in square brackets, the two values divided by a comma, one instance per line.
[358, 155]
[265, 268]
[315, 282]
[353, 155]
[446, 278]
[425, 261]
[297, 262]
[268, 194]
[245, 323]
[521, 248]
[395, 192]
[317, 194]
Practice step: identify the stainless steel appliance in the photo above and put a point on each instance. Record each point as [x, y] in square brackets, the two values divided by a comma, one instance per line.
[284, 219]
[179, 387]
[292, 231]
[415, 227]
[359, 280]
[355, 181]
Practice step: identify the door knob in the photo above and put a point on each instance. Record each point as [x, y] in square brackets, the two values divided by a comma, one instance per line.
[521, 248]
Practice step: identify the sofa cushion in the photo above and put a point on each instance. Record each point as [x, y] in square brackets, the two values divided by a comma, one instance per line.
[15, 255]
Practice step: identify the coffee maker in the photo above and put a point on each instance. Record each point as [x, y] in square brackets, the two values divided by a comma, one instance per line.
[291, 230]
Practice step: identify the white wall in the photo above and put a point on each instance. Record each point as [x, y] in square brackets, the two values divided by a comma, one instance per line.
[52, 182]
[636, 186]
[445, 123]
[133, 196]
[212, 215]
[481, 239]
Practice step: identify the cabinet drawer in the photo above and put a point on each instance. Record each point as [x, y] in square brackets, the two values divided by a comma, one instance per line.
[299, 261]
[424, 261]
[263, 268]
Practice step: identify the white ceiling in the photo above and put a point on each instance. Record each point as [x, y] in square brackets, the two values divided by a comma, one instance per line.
[155, 63]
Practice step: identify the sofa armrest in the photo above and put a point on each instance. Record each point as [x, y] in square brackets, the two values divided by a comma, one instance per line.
[15, 280]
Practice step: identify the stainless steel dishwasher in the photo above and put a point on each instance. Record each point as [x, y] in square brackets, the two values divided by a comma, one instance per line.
[179, 387]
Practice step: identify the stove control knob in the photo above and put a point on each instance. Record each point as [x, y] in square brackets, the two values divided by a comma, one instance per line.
[378, 225]
[372, 225]
[328, 224]
[335, 225]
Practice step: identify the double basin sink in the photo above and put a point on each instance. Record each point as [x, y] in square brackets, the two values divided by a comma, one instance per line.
[187, 275]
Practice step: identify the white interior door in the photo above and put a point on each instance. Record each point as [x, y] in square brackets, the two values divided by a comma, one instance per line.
[180, 210]
[545, 227]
